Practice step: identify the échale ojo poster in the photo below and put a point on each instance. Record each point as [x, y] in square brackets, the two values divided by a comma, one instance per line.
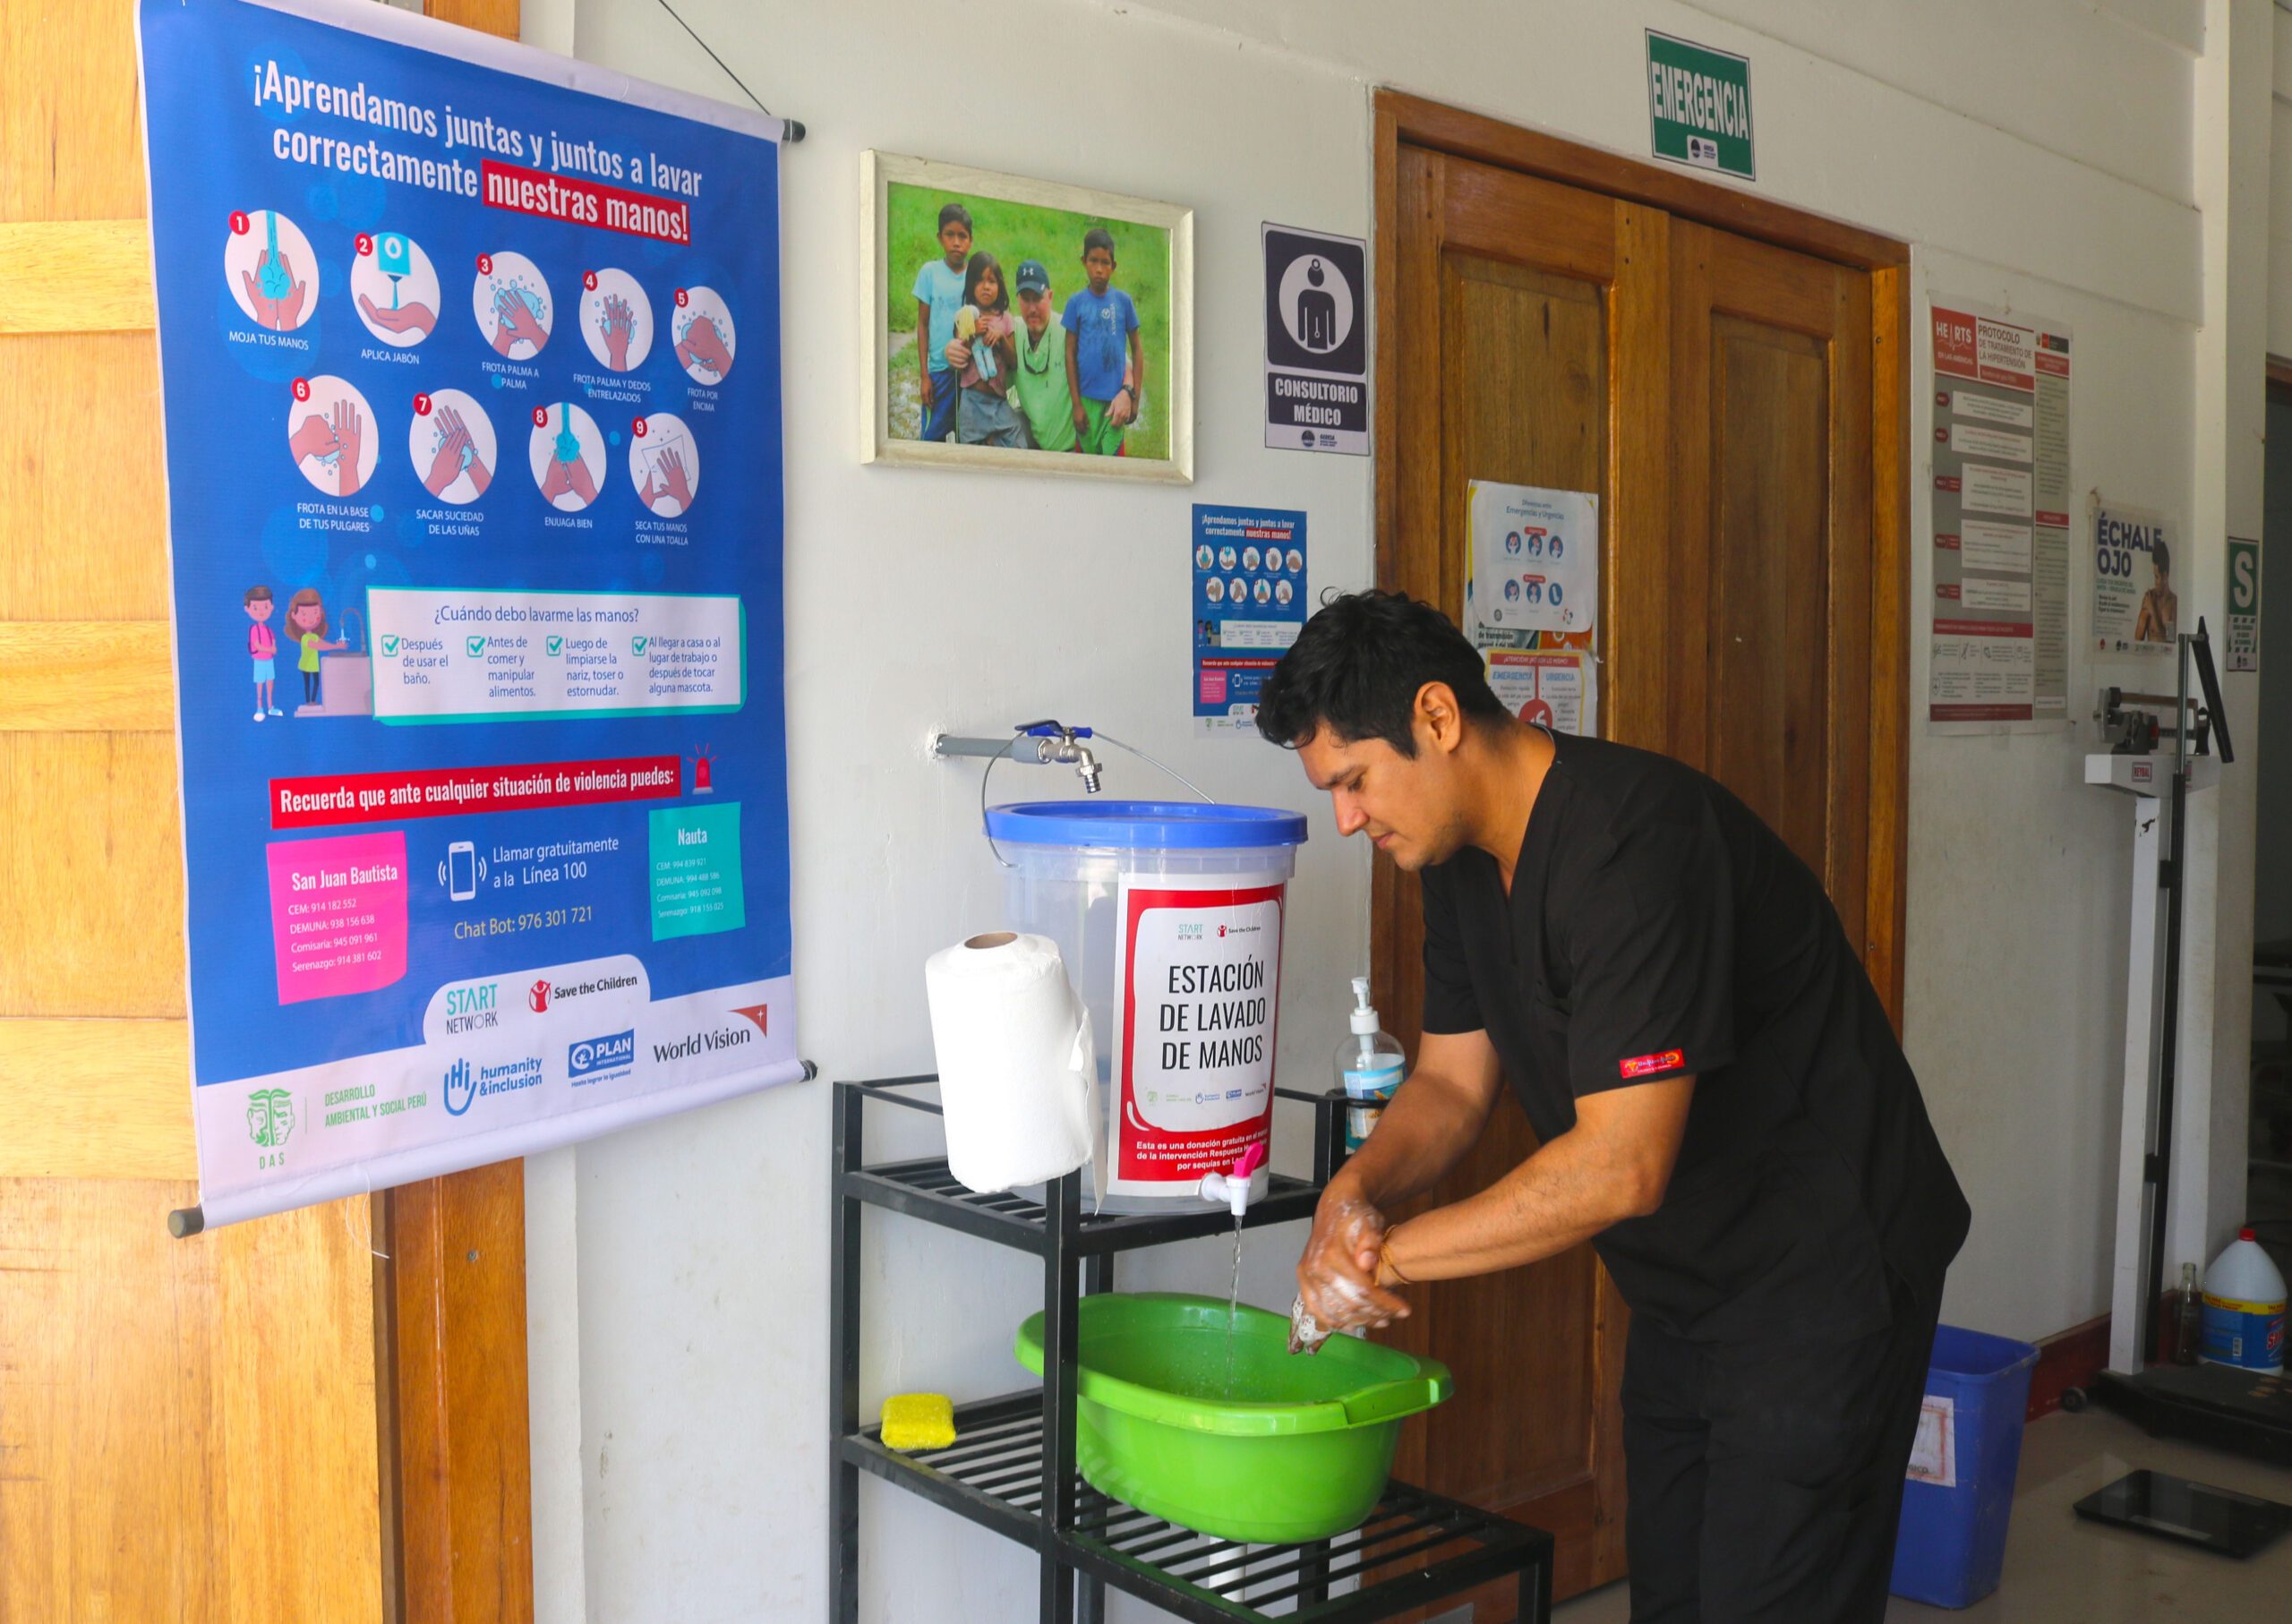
[470, 366]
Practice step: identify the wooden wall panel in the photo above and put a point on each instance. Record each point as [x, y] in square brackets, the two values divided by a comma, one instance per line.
[71, 140]
[86, 676]
[75, 277]
[463, 1443]
[90, 876]
[96, 1100]
[82, 493]
[188, 1430]
[178, 1423]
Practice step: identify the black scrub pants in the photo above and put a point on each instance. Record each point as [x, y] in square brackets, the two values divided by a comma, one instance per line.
[1764, 1479]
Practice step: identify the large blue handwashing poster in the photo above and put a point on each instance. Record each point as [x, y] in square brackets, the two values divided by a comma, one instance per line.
[471, 374]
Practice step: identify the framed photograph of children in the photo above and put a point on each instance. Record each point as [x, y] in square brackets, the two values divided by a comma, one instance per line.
[1022, 324]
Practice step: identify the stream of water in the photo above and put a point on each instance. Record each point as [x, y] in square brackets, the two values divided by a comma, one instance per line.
[1233, 1305]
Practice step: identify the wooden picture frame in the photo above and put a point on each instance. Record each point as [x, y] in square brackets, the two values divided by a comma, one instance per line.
[1022, 224]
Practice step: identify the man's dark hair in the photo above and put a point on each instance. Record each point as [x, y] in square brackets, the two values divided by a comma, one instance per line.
[1357, 668]
[2161, 556]
[954, 214]
[1098, 236]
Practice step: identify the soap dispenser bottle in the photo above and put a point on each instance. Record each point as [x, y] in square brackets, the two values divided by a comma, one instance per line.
[1368, 1067]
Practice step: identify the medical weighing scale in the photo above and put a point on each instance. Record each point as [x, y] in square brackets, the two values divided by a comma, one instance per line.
[2158, 758]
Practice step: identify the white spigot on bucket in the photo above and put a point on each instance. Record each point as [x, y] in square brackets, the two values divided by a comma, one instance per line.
[1233, 1189]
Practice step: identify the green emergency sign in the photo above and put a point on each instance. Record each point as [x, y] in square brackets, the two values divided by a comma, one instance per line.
[1700, 105]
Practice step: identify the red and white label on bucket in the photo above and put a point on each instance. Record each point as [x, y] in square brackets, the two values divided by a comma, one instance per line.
[1196, 973]
[1934, 1456]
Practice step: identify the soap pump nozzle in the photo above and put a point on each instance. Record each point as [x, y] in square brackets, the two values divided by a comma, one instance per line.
[1365, 1015]
[1233, 1189]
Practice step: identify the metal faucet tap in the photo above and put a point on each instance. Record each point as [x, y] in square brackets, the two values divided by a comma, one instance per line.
[1054, 744]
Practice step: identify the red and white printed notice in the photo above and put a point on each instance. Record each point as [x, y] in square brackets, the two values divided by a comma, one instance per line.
[1997, 614]
[1197, 964]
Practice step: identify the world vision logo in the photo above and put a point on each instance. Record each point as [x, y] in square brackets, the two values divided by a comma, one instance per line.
[703, 1043]
[270, 1117]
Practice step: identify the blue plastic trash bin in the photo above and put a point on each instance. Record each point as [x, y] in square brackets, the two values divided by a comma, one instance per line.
[1952, 1544]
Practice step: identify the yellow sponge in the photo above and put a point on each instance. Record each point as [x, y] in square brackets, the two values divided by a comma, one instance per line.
[918, 1421]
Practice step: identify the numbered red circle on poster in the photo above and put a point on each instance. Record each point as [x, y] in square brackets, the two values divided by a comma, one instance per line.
[240, 224]
[422, 405]
[485, 265]
[684, 297]
[1536, 713]
[302, 389]
[365, 245]
[541, 417]
[639, 430]
[589, 280]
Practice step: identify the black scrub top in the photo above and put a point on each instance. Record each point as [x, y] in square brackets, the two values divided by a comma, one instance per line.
[1656, 927]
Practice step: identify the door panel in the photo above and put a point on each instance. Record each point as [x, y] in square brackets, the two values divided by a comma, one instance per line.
[1514, 285]
[1717, 393]
[1771, 431]
[1768, 500]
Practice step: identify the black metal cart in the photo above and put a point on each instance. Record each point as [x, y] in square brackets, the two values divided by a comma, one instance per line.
[1012, 1466]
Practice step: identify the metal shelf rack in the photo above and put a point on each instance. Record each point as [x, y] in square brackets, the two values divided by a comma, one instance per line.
[1012, 1466]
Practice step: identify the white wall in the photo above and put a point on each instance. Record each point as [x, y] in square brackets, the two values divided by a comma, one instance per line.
[703, 1243]
[2044, 154]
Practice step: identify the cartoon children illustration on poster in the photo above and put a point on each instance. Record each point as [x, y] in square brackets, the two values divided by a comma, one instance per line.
[262, 648]
[306, 626]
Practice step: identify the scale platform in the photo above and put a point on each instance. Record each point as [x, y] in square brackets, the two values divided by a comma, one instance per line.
[2244, 1412]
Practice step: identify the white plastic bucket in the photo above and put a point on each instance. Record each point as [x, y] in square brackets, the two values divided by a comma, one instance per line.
[1169, 916]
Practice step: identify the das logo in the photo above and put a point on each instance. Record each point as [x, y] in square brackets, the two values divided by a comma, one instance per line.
[538, 998]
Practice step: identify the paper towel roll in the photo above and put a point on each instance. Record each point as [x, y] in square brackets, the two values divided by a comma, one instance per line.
[1018, 1072]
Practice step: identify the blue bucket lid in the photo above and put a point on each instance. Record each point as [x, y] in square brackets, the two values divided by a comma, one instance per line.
[1144, 824]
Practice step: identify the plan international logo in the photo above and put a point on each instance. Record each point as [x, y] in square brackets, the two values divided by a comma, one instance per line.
[592, 1058]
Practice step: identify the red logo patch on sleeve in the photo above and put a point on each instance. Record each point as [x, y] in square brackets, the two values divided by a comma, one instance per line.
[1643, 1065]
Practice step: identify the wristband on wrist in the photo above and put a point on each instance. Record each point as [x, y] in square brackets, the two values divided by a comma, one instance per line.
[1385, 1264]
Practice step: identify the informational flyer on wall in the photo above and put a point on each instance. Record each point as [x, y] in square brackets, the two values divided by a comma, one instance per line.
[1316, 341]
[2135, 610]
[2243, 651]
[1998, 633]
[1535, 591]
[471, 380]
[1248, 606]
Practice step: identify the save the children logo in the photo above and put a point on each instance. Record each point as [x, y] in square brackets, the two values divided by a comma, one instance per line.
[537, 997]
[270, 1117]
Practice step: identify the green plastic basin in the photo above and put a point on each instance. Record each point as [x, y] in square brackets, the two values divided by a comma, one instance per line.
[1297, 1448]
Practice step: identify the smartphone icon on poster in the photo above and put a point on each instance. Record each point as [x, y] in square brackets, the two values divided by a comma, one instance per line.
[461, 870]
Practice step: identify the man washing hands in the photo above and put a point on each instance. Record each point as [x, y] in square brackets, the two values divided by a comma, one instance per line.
[1721, 1108]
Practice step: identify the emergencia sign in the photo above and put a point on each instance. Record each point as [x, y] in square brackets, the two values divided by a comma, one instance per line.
[1700, 105]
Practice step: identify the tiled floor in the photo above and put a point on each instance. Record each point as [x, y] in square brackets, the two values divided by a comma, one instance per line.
[2060, 1569]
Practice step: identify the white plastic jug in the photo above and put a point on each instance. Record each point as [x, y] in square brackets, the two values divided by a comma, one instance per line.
[2244, 1308]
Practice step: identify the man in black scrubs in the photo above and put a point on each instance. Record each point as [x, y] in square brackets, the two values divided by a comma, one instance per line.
[1722, 1108]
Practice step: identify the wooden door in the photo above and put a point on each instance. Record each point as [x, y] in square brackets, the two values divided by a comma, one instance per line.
[1524, 305]
[1720, 393]
[1770, 679]
[203, 1431]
